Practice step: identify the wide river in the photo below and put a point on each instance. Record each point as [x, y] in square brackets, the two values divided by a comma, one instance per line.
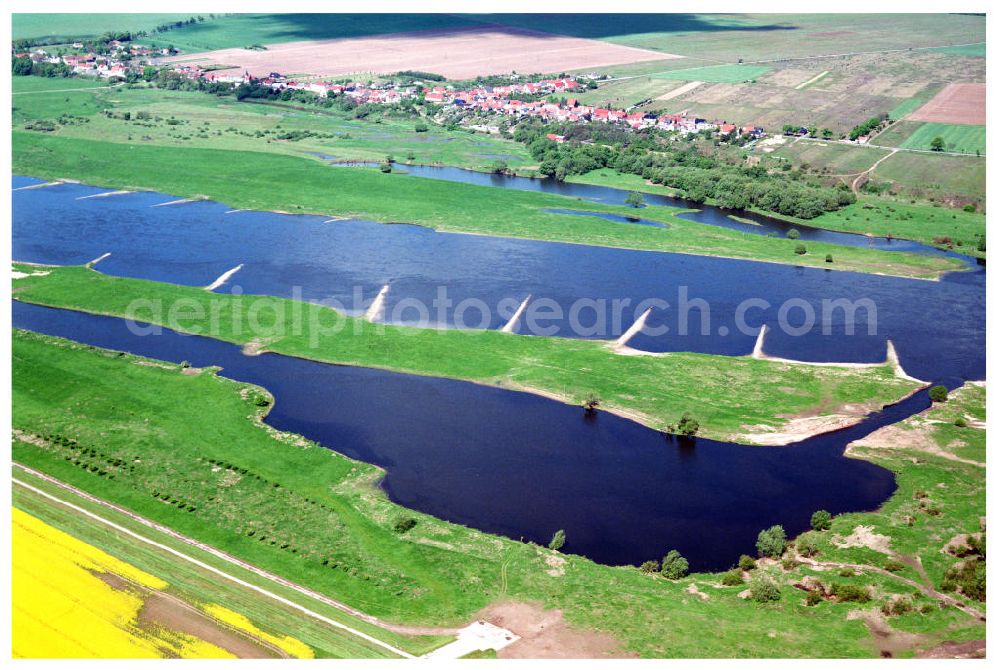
[505, 462]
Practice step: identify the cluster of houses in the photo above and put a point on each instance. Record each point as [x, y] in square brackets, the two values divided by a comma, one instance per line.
[501, 100]
[122, 58]
[516, 100]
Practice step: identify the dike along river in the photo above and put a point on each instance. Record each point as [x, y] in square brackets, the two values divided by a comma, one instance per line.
[938, 327]
[524, 466]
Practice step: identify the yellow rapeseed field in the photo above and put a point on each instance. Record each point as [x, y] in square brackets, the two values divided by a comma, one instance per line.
[287, 644]
[62, 609]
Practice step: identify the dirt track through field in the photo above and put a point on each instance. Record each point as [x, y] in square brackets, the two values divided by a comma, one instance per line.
[458, 53]
[957, 103]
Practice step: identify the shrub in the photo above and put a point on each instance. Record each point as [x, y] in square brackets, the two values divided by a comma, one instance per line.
[846, 572]
[938, 393]
[649, 567]
[764, 589]
[814, 598]
[808, 544]
[591, 403]
[558, 540]
[732, 578]
[792, 234]
[961, 422]
[420, 127]
[404, 524]
[772, 542]
[747, 562]
[800, 249]
[821, 520]
[894, 565]
[850, 593]
[897, 606]
[967, 577]
[634, 199]
[675, 566]
[829, 258]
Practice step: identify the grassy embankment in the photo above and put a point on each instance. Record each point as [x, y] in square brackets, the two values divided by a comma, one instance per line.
[306, 186]
[724, 393]
[164, 424]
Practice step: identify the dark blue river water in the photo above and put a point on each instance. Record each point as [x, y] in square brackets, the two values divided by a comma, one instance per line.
[524, 466]
[938, 327]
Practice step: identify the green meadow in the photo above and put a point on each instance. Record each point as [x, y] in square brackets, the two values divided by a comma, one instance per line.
[957, 138]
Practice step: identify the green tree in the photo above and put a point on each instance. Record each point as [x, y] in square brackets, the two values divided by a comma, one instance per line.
[649, 567]
[688, 426]
[938, 393]
[747, 562]
[807, 544]
[792, 234]
[772, 542]
[937, 144]
[821, 520]
[558, 540]
[634, 199]
[826, 133]
[675, 566]
[764, 589]
[420, 127]
[800, 249]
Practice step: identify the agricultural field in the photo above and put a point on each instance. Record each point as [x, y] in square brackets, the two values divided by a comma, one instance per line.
[72, 600]
[456, 53]
[957, 103]
[68, 27]
[203, 593]
[958, 138]
[954, 181]
[717, 73]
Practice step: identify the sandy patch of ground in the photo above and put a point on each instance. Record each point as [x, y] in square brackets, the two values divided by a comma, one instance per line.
[545, 634]
[680, 90]
[557, 565]
[957, 103]
[693, 590]
[918, 436]
[21, 275]
[796, 429]
[865, 536]
[457, 53]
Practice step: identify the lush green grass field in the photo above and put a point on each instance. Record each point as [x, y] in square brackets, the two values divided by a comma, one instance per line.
[957, 138]
[306, 186]
[716, 73]
[920, 222]
[85, 24]
[207, 121]
[325, 505]
[724, 393]
[198, 587]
